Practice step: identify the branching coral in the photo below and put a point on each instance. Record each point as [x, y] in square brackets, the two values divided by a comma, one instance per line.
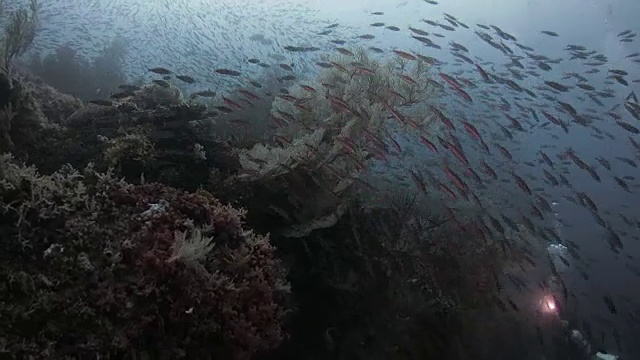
[192, 249]
[266, 161]
[91, 271]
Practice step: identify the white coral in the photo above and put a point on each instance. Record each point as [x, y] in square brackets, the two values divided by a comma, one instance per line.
[267, 161]
[192, 249]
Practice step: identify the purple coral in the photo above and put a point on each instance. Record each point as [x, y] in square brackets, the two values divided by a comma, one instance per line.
[106, 283]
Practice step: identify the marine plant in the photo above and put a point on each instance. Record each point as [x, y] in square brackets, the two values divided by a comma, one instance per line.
[17, 34]
[331, 130]
[87, 78]
[97, 267]
[19, 30]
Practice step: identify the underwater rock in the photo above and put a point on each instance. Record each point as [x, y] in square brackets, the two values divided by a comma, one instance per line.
[54, 105]
[152, 95]
[40, 125]
[172, 127]
[95, 116]
[5, 90]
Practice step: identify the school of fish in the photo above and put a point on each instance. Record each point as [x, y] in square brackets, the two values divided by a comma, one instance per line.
[488, 113]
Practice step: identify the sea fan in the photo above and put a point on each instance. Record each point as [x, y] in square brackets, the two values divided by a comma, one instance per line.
[19, 32]
[266, 161]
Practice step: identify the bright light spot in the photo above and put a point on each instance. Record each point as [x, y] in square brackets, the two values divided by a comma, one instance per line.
[548, 305]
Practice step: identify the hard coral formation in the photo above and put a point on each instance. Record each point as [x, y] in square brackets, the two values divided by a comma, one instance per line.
[99, 267]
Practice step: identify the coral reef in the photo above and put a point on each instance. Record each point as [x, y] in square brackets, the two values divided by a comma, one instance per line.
[157, 265]
[152, 122]
[99, 267]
